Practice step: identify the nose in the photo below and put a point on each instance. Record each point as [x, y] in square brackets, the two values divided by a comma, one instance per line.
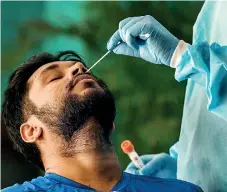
[76, 69]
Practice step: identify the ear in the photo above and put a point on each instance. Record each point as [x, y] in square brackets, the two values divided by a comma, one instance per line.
[30, 133]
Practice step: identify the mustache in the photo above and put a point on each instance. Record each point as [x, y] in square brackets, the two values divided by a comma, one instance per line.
[71, 83]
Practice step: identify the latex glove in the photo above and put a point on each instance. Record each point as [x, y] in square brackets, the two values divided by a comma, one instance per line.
[158, 48]
[161, 165]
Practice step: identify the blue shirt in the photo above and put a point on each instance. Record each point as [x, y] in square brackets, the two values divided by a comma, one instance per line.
[130, 183]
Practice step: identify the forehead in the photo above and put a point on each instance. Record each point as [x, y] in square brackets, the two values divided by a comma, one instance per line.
[61, 64]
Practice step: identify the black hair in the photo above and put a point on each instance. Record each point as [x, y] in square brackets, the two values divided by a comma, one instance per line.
[12, 108]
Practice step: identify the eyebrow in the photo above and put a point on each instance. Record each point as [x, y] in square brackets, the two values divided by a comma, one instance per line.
[51, 67]
[56, 66]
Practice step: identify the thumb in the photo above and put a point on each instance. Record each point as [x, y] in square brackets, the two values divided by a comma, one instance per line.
[114, 40]
[124, 49]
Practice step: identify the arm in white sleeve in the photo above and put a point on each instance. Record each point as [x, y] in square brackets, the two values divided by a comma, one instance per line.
[206, 65]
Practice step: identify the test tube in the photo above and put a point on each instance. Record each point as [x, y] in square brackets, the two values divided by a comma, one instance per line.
[128, 148]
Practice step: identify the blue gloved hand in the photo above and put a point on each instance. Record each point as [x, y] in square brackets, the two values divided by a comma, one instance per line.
[143, 37]
[161, 165]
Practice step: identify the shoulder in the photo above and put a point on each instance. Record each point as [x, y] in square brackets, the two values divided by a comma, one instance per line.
[14, 188]
[164, 184]
[39, 184]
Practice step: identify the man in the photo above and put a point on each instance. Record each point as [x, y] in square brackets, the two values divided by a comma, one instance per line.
[201, 151]
[61, 118]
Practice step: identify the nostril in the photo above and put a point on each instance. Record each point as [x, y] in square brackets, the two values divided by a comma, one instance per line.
[84, 70]
[75, 71]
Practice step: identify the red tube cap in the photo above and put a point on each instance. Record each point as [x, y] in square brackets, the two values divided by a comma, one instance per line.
[127, 146]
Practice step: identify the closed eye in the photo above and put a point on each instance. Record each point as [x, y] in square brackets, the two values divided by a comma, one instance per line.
[54, 79]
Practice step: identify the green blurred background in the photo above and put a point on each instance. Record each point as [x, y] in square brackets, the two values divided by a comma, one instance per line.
[149, 100]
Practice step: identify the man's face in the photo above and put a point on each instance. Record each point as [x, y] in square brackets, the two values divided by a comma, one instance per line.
[66, 97]
[55, 80]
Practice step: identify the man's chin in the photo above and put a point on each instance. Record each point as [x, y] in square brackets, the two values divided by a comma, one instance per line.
[89, 90]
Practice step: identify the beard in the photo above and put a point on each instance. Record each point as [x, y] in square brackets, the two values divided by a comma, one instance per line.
[75, 112]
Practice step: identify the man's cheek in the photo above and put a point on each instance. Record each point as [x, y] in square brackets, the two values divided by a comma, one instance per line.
[56, 92]
[40, 98]
[51, 97]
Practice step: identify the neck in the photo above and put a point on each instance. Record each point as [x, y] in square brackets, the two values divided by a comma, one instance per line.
[87, 162]
[96, 169]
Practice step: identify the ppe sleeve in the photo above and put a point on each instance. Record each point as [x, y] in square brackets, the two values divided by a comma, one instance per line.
[173, 151]
[206, 65]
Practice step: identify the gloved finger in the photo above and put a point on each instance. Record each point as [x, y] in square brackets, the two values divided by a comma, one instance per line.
[168, 161]
[152, 168]
[113, 41]
[147, 28]
[122, 24]
[127, 36]
[131, 168]
[159, 163]
[137, 33]
[147, 158]
[149, 25]
[124, 49]
[125, 21]
[165, 158]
